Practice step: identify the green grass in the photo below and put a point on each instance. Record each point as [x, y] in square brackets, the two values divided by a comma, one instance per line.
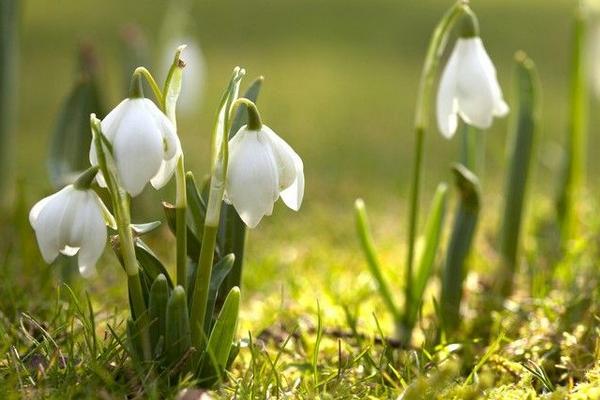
[340, 82]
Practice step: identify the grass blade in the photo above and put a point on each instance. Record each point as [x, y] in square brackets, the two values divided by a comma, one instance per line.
[520, 148]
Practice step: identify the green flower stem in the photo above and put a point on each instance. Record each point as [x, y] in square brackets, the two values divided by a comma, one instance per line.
[201, 286]
[143, 72]
[432, 60]
[180, 222]
[120, 203]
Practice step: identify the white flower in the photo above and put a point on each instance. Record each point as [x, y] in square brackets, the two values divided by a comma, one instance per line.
[145, 145]
[261, 167]
[469, 88]
[68, 222]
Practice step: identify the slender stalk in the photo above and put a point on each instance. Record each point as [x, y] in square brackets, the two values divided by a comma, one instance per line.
[434, 54]
[142, 71]
[120, 203]
[180, 223]
[200, 298]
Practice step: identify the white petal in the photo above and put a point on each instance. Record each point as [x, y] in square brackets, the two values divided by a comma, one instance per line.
[474, 90]
[110, 123]
[165, 172]
[293, 195]
[138, 149]
[447, 106]
[171, 144]
[252, 180]
[500, 106]
[46, 219]
[93, 239]
[284, 157]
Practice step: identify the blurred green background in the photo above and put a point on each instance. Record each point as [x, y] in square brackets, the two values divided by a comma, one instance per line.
[341, 78]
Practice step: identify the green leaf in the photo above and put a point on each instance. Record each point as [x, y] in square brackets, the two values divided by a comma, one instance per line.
[573, 170]
[220, 271]
[157, 309]
[177, 337]
[173, 85]
[142, 229]
[68, 155]
[193, 243]
[151, 265]
[433, 233]
[221, 339]
[521, 145]
[366, 241]
[463, 231]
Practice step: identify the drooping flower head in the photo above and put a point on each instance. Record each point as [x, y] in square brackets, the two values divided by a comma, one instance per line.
[71, 221]
[469, 86]
[144, 142]
[261, 167]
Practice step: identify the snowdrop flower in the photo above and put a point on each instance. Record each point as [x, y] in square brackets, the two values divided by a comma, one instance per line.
[145, 143]
[71, 221]
[261, 167]
[469, 86]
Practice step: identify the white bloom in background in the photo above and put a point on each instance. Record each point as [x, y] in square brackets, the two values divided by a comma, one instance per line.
[469, 88]
[261, 167]
[69, 222]
[144, 142]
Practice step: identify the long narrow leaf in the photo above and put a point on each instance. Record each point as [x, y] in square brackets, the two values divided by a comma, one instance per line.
[572, 173]
[220, 271]
[71, 139]
[433, 233]
[459, 247]
[520, 151]
[221, 339]
[177, 336]
[366, 241]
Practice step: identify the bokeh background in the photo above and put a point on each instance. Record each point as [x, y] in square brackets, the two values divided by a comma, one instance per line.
[340, 84]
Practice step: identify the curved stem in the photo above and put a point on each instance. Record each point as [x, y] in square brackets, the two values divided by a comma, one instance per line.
[432, 60]
[142, 71]
[254, 120]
